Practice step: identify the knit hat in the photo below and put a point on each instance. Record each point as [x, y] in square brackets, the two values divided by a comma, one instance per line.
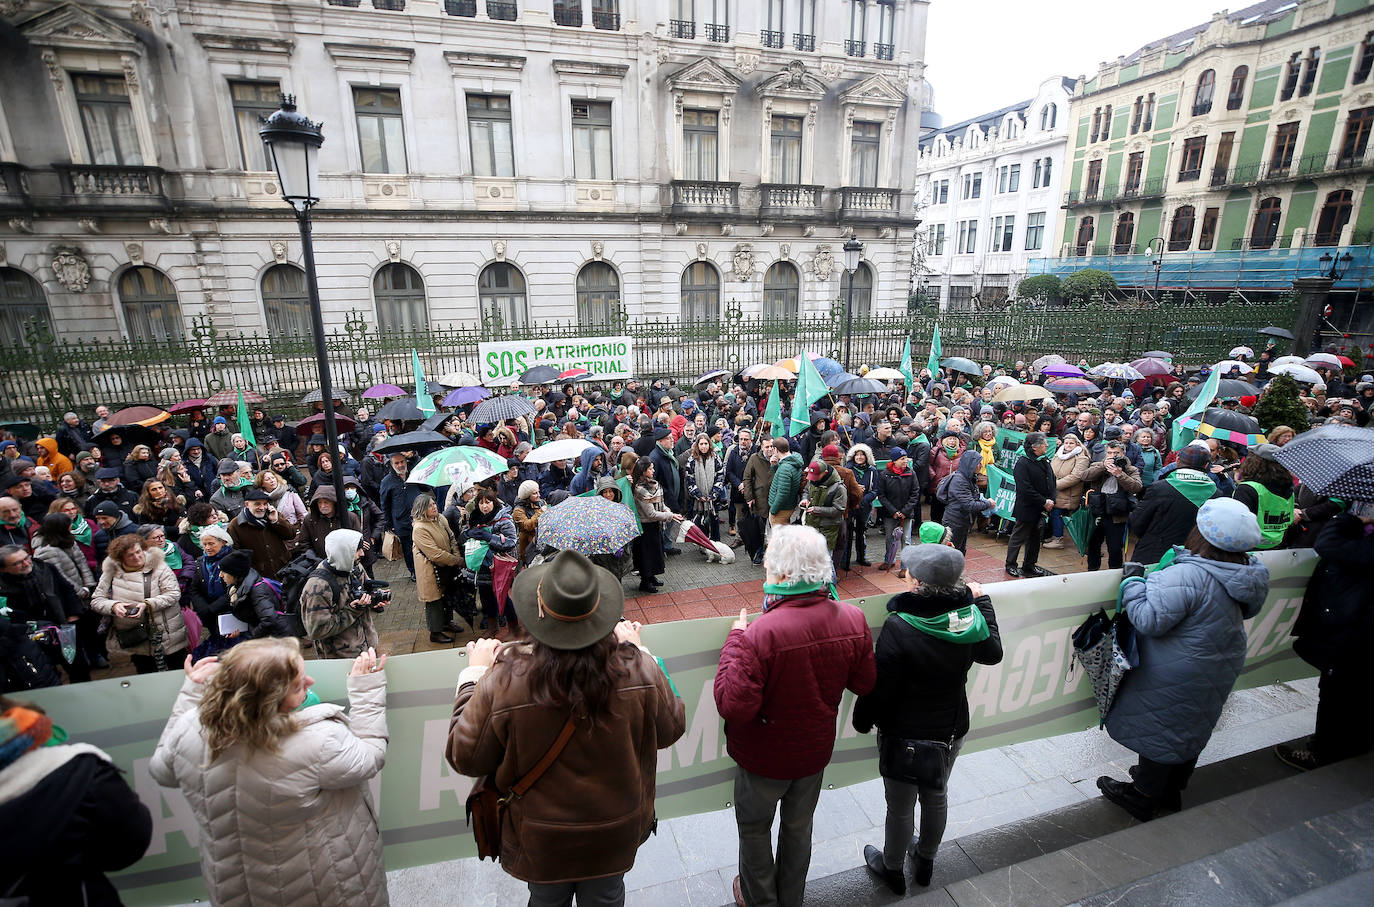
[527, 488]
[106, 508]
[938, 565]
[1191, 457]
[830, 451]
[220, 420]
[236, 564]
[1229, 525]
[217, 532]
[1266, 452]
[167, 453]
[896, 453]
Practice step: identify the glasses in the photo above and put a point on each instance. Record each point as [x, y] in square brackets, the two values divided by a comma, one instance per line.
[23, 560]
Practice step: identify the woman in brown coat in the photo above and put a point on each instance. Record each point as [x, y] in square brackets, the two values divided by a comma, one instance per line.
[528, 508]
[434, 545]
[1069, 464]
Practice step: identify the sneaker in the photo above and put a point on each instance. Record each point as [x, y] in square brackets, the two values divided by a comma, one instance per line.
[1297, 755]
[895, 879]
[1053, 544]
[1128, 797]
[757, 560]
[672, 551]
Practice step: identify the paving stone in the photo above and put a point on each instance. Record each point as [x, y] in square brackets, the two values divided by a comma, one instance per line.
[1053, 879]
[657, 861]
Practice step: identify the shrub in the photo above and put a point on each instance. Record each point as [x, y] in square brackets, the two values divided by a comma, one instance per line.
[1041, 286]
[1279, 405]
[1081, 286]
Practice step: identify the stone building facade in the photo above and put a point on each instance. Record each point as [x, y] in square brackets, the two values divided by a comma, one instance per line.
[507, 162]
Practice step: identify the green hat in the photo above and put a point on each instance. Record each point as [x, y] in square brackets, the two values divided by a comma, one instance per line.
[932, 533]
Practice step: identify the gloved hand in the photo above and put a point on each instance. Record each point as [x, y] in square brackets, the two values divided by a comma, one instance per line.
[1131, 568]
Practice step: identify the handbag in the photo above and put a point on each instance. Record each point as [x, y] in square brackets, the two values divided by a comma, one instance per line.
[486, 805]
[139, 633]
[1105, 648]
[391, 546]
[922, 762]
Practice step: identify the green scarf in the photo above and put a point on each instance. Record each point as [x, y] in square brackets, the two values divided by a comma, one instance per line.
[355, 505]
[172, 554]
[964, 625]
[81, 530]
[774, 592]
[1194, 485]
[23, 521]
[310, 699]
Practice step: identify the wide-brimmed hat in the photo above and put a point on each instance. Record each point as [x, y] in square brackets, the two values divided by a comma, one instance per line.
[569, 602]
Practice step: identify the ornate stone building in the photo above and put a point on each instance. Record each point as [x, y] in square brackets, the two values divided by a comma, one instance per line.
[529, 161]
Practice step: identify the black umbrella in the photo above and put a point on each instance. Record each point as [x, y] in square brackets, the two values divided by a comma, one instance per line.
[859, 386]
[402, 410]
[414, 440]
[1228, 387]
[500, 408]
[711, 376]
[434, 387]
[1334, 460]
[1278, 332]
[26, 430]
[434, 421]
[540, 374]
[132, 434]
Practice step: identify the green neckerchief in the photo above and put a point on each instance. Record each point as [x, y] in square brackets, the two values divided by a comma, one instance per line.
[81, 530]
[1169, 557]
[172, 554]
[310, 699]
[668, 452]
[965, 625]
[797, 588]
[1193, 484]
[23, 521]
[355, 504]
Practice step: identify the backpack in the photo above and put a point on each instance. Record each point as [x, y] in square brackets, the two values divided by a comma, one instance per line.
[290, 583]
[942, 490]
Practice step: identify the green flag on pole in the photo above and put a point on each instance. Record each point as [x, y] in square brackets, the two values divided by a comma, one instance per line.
[905, 367]
[772, 413]
[423, 401]
[245, 423]
[810, 388]
[933, 363]
[1200, 403]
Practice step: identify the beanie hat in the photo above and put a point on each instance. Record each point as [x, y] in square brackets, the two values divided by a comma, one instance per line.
[217, 532]
[830, 451]
[236, 564]
[527, 488]
[1229, 525]
[220, 420]
[938, 565]
[106, 508]
[167, 453]
[896, 453]
[1191, 457]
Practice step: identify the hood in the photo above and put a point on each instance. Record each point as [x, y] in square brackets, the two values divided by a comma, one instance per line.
[194, 444]
[589, 455]
[49, 445]
[928, 605]
[970, 463]
[794, 458]
[868, 451]
[341, 549]
[324, 493]
[1247, 584]
[606, 482]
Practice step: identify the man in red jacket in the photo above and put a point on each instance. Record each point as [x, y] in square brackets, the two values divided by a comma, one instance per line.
[778, 688]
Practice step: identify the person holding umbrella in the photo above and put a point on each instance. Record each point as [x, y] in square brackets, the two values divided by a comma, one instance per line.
[653, 515]
[435, 546]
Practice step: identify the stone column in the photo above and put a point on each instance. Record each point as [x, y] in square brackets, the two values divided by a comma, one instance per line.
[1312, 293]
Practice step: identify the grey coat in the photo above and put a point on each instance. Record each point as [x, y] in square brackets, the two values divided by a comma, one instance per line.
[1188, 619]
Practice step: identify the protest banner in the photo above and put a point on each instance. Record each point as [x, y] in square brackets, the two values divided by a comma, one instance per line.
[1008, 444]
[1002, 492]
[605, 357]
[1035, 692]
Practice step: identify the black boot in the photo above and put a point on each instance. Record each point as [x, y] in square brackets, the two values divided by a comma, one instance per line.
[1127, 796]
[894, 879]
[924, 868]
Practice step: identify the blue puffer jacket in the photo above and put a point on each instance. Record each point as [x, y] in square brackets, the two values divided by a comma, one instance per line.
[1192, 648]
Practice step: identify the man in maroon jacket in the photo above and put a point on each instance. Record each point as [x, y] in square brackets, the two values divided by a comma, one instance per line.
[778, 688]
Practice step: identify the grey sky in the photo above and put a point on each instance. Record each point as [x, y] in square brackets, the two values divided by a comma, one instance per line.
[986, 54]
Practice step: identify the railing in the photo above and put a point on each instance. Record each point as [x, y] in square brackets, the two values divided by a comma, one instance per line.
[777, 197]
[1296, 168]
[350, 3]
[682, 28]
[571, 16]
[1146, 189]
[718, 33]
[464, 8]
[1123, 249]
[771, 38]
[1190, 174]
[1286, 241]
[393, 5]
[804, 42]
[106, 183]
[13, 185]
[703, 195]
[1202, 109]
[502, 10]
[1218, 176]
[605, 20]
[867, 201]
[853, 48]
[883, 51]
[1150, 188]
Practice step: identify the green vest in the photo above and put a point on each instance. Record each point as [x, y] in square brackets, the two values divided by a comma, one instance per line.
[1275, 515]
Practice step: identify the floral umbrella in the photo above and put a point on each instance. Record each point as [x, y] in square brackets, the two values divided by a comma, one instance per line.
[230, 396]
[461, 466]
[1117, 371]
[587, 525]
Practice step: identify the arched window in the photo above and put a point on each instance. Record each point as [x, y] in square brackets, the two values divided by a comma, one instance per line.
[1123, 242]
[701, 292]
[1181, 230]
[501, 292]
[151, 311]
[1048, 114]
[863, 290]
[1202, 98]
[598, 294]
[1236, 95]
[21, 300]
[285, 301]
[1335, 215]
[1084, 243]
[781, 291]
[1266, 227]
[399, 294]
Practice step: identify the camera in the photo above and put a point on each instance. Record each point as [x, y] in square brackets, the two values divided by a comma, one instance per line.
[1120, 462]
[378, 589]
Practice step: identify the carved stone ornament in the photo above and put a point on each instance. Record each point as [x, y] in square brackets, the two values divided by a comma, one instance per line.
[3, 254]
[727, 229]
[71, 269]
[498, 248]
[130, 72]
[88, 224]
[393, 250]
[279, 252]
[809, 230]
[680, 228]
[766, 229]
[742, 264]
[701, 250]
[785, 250]
[10, 7]
[831, 69]
[138, 11]
[160, 225]
[135, 252]
[21, 224]
[823, 263]
[598, 249]
[746, 62]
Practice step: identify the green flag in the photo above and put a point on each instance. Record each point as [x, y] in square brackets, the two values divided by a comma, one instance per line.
[1204, 399]
[772, 413]
[245, 424]
[933, 363]
[423, 401]
[905, 367]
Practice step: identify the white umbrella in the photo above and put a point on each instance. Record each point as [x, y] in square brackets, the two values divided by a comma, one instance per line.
[459, 379]
[1226, 365]
[1286, 360]
[885, 374]
[1241, 351]
[1003, 381]
[1322, 360]
[1296, 372]
[565, 449]
[1023, 392]
[1051, 359]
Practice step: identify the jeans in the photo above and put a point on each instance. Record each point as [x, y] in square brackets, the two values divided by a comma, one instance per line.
[1026, 533]
[408, 550]
[608, 891]
[1057, 522]
[901, 816]
[894, 532]
[764, 881]
[1106, 529]
[858, 525]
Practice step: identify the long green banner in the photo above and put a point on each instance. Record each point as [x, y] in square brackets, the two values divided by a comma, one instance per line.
[1036, 692]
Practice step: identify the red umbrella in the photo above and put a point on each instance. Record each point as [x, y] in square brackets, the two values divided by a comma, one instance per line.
[316, 423]
[185, 406]
[139, 415]
[574, 374]
[1346, 360]
[231, 396]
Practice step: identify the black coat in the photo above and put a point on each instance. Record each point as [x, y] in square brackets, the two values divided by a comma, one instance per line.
[669, 476]
[1035, 483]
[1161, 520]
[899, 494]
[43, 596]
[1336, 624]
[920, 690]
[255, 602]
[124, 499]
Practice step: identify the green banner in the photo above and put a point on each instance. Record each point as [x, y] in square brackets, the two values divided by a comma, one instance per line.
[1008, 445]
[1002, 492]
[1035, 692]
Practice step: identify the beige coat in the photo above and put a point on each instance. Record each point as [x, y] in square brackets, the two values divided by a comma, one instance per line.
[434, 544]
[295, 828]
[1068, 477]
[160, 591]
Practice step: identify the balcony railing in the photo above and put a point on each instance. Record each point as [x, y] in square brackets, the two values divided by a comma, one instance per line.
[1295, 169]
[1123, 249]
[393, 5]
[854, 48]
[771, 38]
[804, 42]
[682, 28]
[344, 2]
[571, 16]
[464, 8]
[869, 202]
[718, 33]
[502, 10]
[1202, 109]
[1151, 188]
[883, 51]
[110, 182]
[1146, 189]
[13, 185]
[1190, 174]
[778, 198]
[605, 20]
[705, 196]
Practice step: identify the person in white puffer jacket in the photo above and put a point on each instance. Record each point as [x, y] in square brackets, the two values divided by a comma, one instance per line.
[283, 805]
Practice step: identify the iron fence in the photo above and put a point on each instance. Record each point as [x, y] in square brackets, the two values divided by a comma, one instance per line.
[48, 377]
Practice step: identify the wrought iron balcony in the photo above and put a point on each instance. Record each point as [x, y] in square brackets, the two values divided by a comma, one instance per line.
[1123, 249]
[393, 5]
[783, 199]
[1150, 188]
[869, 203]
[682, 28]
[99, 185]
[464, 8]
[771, 38]
[854, 48]
[571, 16]
[718, 33]
[804, 42]
[14, 184]
[705, 197]
[1190, 174]
[344, 2]
[605, 20]
[502, 10]
[883, 51]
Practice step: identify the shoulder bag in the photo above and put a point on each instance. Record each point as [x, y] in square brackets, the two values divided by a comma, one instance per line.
[486, 806]
[922, 762]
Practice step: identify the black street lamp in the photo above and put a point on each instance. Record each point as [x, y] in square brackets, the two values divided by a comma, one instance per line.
[1312, 295]
[1335, 266]
[1157, 262]
[853, 249]
[292, 143]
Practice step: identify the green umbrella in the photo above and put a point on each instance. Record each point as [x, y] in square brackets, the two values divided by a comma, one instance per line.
[1079, 525]
[462, 466]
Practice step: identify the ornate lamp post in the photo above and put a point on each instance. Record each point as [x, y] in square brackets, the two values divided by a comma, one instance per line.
[853, 249]
[1312, 295]
[292, 143]
[1157, 262]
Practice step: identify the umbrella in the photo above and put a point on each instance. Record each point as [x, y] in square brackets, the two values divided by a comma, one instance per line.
[418, 440]
[1158, 354]
[316, 423]
[1278, 332]
[774, 373]
[402, 410]
[1286, 360]
[1003, 381]
[860, 386]
[434, 421]
[574, 374]
[1079, 526]
[564, 449]
[26, 430]
[461, 466]
[1062, 370]
[540, 374]
[752, 370]
[675, 393]
[1022, 392]
[1118, 371]
[468, 393]
[459, 379]
[500, 408]
[230, 397]
[185, 406]
[1228, 387]
[378, 391]
[841, 378]
[1322, 360]
[711, 376]
[1072, 386]
[960, 364]
[590, 525]
[1297, 372]
[1149, 366]
[1346, 361]
[1227, 364]
[827, 367]
[139, 415]
[1238, 351]
[789, 365]
[885, 374]
[1051, 359]
[1225, 425]
[1333, 461]
[132, 434]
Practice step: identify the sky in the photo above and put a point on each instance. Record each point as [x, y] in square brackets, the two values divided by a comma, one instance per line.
[986, 54]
